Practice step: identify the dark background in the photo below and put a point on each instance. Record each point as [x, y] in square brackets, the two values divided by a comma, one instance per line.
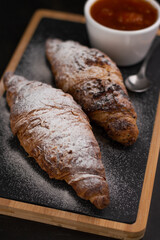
[14, 17]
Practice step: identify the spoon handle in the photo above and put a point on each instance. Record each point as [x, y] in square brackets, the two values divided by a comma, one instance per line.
[149, 54]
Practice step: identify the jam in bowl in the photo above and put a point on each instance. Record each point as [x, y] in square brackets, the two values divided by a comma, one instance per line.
[123, 29]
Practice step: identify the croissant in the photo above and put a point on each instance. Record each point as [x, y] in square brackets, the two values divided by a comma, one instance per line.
[96, 83]
[53, 129]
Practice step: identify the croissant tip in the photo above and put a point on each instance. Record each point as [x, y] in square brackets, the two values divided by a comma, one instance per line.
[8, 74]
[6, 77]
[101, 202]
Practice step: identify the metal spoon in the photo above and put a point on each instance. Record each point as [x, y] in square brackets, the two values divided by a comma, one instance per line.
[139, 82]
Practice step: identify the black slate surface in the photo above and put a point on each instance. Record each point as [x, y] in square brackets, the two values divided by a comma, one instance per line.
[22, 179]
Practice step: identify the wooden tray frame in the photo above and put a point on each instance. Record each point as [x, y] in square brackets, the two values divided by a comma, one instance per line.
[72, 220]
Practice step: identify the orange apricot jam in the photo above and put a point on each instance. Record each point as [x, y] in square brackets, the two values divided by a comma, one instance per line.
[126, 15]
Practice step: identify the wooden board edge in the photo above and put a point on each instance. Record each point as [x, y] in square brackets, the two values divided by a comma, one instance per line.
[64, 219]
[150, 173]
[151, 167]
[106, 227]
[60, 15]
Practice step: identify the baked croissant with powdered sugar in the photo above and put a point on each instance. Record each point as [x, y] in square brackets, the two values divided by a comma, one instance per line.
[53, 129]
[96, 83]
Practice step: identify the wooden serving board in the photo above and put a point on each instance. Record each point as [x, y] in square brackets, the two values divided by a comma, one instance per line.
[135, 166]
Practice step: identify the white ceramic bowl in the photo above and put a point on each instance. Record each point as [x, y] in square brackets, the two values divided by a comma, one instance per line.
[124, 47]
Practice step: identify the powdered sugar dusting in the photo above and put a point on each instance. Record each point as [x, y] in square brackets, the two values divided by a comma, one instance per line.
[71, 57]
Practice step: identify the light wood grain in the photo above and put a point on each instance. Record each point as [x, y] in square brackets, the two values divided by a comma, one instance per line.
[70, 220]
